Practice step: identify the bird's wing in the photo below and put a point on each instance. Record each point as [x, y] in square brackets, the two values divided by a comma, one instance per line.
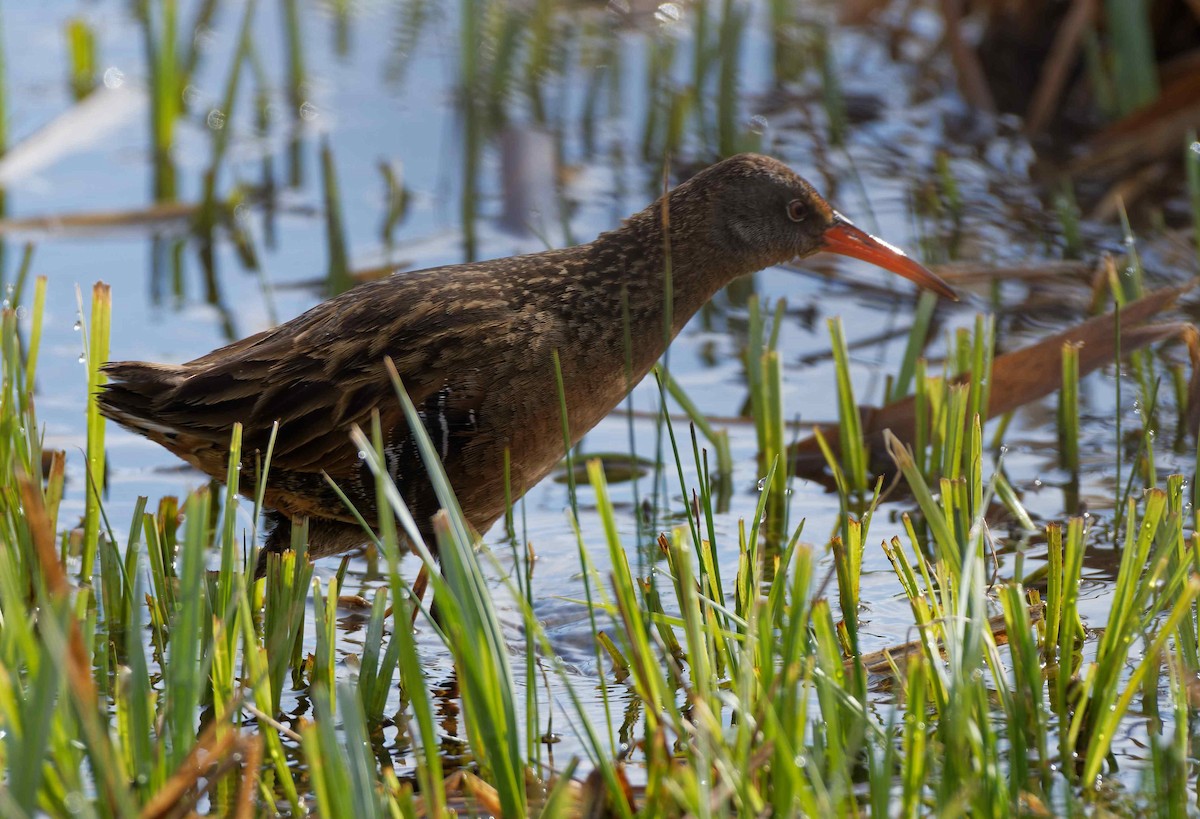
[318, 375]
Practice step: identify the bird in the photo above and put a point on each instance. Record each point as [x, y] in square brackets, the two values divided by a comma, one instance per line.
[474, 346]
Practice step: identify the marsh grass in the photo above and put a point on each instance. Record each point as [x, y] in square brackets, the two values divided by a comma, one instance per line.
[734, 679]
[1068, 412]
[764, 379]
[146, 673]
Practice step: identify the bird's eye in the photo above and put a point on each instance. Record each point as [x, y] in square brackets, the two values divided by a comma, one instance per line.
[796, 210]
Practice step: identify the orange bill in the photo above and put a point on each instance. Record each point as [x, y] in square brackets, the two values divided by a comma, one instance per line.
[844, 238]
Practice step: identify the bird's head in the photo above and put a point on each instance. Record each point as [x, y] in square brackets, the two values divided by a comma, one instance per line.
[759, 211]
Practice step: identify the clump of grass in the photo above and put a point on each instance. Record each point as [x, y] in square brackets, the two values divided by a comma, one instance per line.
[764, 378]
[1068, 412]
[94, 355]
[901, 385]
[85, 734]
[719, 438]
[733, 682]
[853, 468]
[289, 578]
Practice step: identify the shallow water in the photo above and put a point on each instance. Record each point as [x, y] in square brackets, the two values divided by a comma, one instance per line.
[886, 164]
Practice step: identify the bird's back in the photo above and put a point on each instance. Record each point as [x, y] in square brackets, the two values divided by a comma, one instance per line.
[472, 344]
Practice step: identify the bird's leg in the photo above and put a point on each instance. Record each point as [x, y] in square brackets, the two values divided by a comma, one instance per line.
[328, 538]
[418, 591]
[279, 539]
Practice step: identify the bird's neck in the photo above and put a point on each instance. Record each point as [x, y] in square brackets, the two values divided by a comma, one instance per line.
[638, 286]
[669, 252]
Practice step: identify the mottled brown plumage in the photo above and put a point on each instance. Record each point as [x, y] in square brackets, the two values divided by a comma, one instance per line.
[473, 344]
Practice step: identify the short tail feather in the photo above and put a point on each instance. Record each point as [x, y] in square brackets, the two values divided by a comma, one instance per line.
[134, 391]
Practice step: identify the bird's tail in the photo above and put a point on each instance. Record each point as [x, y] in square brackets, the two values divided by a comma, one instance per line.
[145, 398]
[135, 391]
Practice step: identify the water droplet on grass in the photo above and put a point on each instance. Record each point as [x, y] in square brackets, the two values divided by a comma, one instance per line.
[668, 14]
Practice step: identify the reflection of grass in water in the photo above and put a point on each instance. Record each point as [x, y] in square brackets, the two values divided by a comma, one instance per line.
[410, 22]
[81, 57]
[338, 276]
[160, 34]
[1130, 56]
[295, 89]
[171, 66]
[341, 27]
[527, 50]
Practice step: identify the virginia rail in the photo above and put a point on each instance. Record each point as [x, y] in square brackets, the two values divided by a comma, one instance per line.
[473, 344]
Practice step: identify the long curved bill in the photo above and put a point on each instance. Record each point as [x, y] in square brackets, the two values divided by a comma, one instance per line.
[844, 238]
